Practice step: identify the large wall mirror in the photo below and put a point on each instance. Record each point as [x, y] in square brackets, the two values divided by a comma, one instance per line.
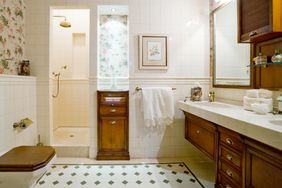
[230, 59]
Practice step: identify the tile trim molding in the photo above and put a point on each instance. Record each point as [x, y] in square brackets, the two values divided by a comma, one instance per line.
[16, 79]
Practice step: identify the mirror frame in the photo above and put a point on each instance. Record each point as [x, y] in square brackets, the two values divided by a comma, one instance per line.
[213, 56]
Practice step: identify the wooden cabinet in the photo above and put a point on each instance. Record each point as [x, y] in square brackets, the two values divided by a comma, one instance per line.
[112, 125]
[230, 160]
[268, 77]
[202, 134]
[241, 162]
[263, 166]
[259, 20]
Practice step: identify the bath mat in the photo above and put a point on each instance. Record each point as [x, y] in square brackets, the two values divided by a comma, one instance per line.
[164, 175]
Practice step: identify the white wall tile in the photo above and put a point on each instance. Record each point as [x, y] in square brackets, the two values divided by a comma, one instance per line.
[18, 101]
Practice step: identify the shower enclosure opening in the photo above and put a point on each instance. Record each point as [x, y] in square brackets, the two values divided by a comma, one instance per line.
[69, 76]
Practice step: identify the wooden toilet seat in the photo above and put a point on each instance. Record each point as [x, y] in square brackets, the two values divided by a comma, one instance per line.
[26, 158]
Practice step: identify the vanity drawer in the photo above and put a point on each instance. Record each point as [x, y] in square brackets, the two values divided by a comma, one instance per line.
[112, 110]
[230, 172]
[225, 183]
[230, 138]
[113, 99]
[202, 134]
[229, 156]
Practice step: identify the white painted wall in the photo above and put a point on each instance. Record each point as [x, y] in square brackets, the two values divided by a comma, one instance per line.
[17, 101]
[187, 24]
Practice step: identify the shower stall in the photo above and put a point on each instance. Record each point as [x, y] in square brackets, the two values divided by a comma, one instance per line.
[69, 77]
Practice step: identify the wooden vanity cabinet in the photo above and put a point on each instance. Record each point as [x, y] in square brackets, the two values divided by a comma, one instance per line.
[202, 134]
[263, 166]
[230, 159]
[259, 20]
[241, 162]
[112, 125]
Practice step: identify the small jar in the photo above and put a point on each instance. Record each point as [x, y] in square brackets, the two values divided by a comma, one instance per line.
[277, 57]
[260, 59]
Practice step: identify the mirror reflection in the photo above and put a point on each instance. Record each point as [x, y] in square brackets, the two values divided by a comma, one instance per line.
[230, 57]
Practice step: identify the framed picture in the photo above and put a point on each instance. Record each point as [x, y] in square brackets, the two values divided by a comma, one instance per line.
[153, 52]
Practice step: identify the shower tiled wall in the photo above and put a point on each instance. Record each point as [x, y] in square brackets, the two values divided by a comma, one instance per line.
[72, 104]
[17, 101]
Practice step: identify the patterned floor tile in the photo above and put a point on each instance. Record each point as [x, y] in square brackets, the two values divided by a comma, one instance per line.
[169, 175]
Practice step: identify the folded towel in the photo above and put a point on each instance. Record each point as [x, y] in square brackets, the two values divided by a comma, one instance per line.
[248, 101]
[253, 93]
[262, 108]
[158, 106]
[264, 93]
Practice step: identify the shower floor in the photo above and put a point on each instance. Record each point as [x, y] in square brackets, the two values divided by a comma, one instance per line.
[71, 136]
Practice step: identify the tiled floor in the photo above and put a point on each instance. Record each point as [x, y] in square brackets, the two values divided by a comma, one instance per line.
[170, 175]
[204, 170]
[71, 136]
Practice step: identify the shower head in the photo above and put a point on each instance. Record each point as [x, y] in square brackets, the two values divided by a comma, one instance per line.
[64, 23]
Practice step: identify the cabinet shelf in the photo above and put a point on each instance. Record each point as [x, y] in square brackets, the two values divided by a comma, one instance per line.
[264, 65]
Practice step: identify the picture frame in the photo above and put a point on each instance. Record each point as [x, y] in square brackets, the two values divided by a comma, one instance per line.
[153, 52]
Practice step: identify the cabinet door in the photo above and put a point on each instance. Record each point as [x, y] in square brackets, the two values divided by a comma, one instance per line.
[263, 166]
[113, 134]
[202, 134]
[259, 20]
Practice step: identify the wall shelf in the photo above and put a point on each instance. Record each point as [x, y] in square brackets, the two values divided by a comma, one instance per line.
[264, 65]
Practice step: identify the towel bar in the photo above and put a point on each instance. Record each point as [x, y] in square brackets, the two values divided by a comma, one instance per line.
[139, 88]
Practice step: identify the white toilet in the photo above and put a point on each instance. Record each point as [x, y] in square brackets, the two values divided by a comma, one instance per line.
[22, 166]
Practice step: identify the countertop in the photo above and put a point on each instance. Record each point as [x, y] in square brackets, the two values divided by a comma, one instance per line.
[235, 118]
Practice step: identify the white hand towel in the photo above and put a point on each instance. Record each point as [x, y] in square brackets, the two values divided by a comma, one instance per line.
[248, 101]
[158, 106]
[252, 93]
[264, 93]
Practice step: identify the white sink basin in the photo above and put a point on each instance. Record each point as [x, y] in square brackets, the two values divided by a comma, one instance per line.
[276, 122]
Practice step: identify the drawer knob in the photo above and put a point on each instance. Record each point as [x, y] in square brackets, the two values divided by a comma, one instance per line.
[198, 132]
[112, 104]
[229, 141]
[253, 33]
[113, 110]
[229, 157]
[114, 122]
[228, 186]
[229, 173]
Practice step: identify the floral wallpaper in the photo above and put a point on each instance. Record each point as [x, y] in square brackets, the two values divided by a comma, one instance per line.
[113, 46]
[11, 35]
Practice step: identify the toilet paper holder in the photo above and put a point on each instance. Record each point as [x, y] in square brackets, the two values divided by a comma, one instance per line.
[24, 123]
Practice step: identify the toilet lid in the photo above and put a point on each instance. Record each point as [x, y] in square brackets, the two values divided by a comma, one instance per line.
[26, 158]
